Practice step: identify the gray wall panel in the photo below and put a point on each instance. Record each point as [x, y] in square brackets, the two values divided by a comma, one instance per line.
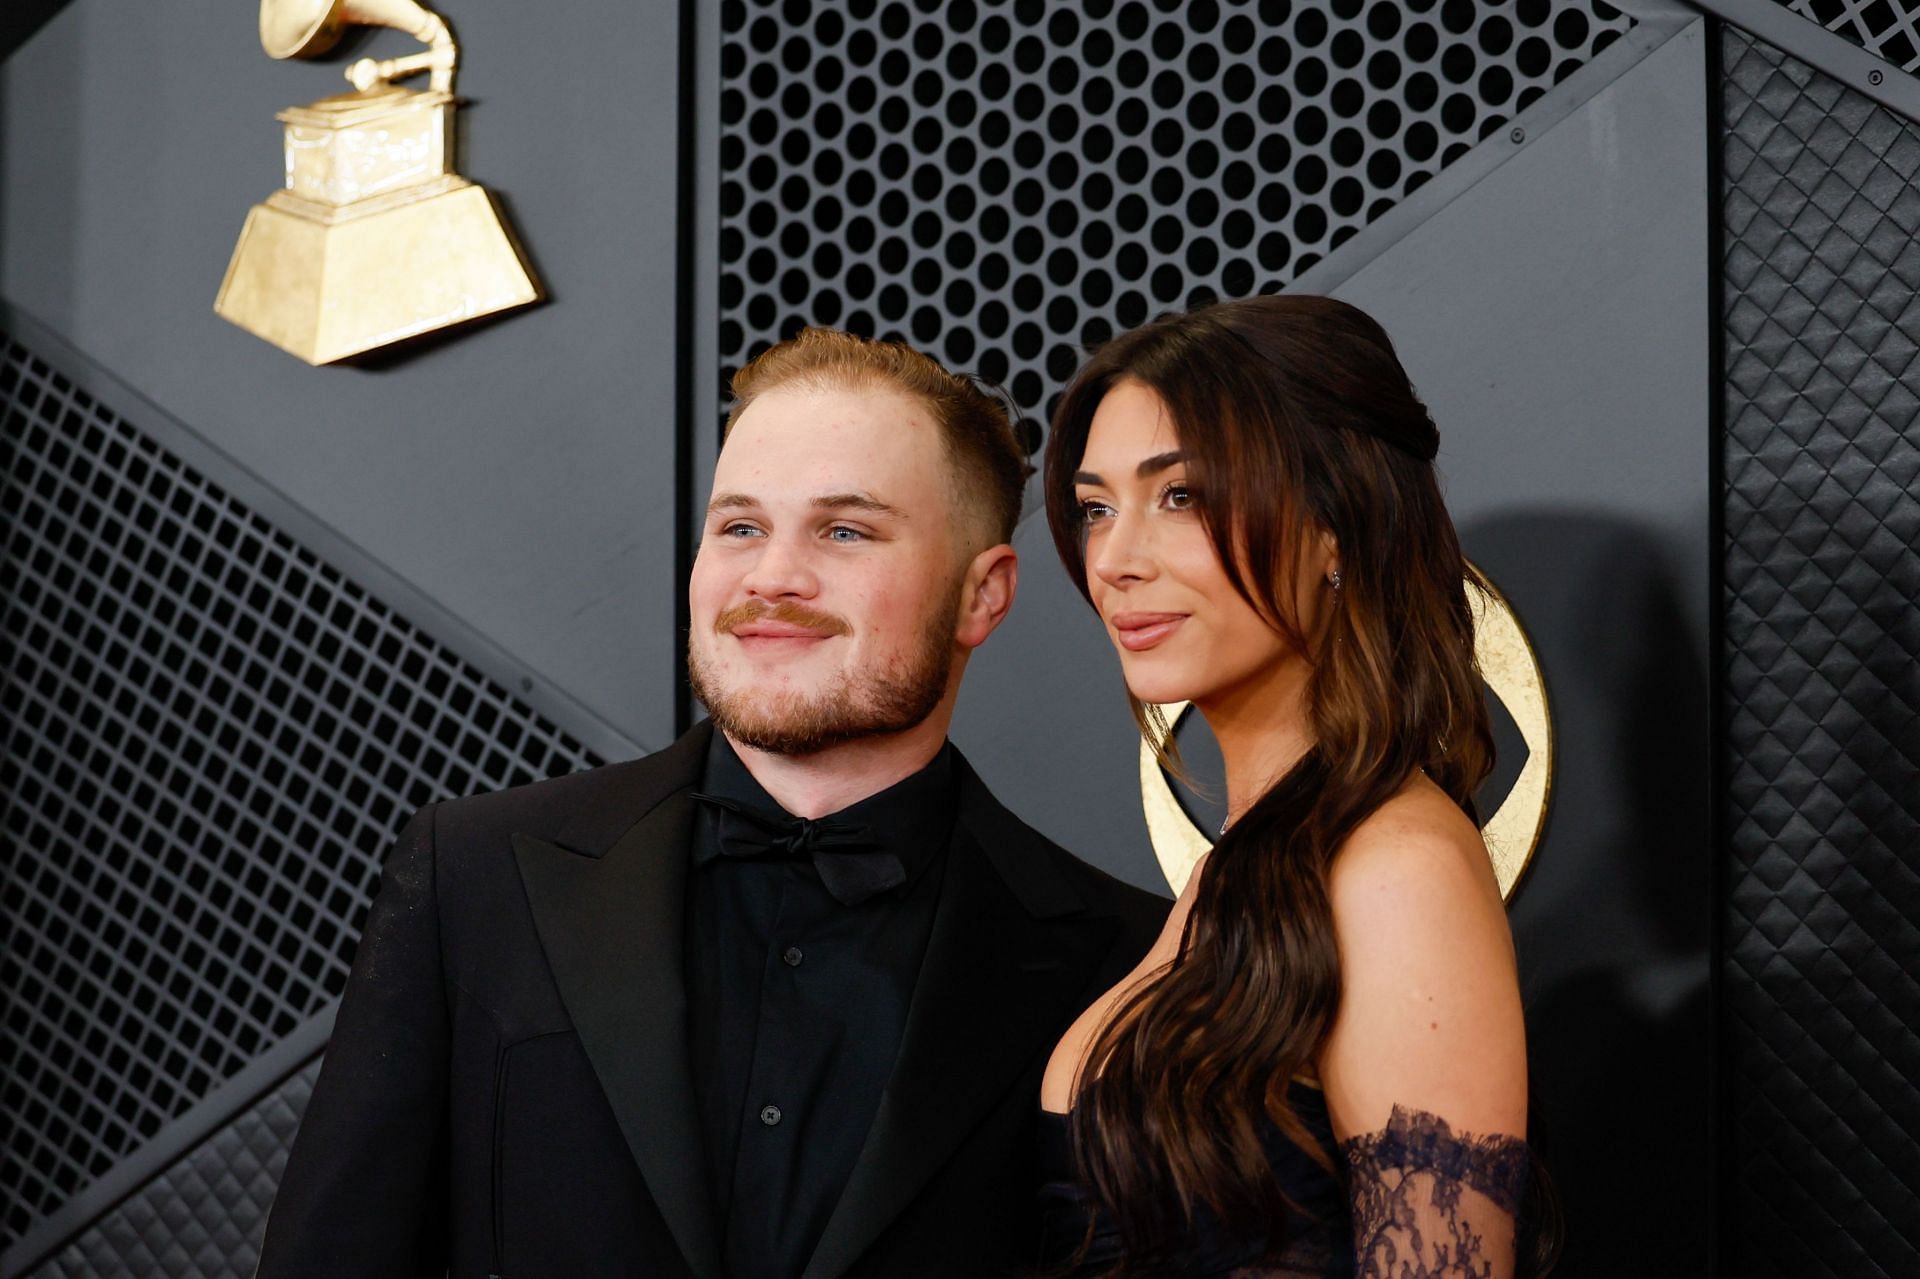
[1556, 318]
[521, 473]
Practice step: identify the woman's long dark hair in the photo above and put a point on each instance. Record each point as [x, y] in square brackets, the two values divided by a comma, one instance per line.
[1294, 415]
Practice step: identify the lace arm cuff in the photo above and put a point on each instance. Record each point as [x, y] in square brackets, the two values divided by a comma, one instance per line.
[1431, 1205]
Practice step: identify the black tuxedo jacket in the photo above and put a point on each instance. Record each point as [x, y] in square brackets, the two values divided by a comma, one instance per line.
[507, 1090]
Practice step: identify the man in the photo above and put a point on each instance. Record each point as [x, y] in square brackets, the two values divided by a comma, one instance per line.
[774, 1002]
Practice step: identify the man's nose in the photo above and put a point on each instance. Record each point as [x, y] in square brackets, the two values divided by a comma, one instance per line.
[782, 569]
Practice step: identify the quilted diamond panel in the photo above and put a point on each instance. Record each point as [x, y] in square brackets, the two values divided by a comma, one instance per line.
[203, 1217]
[1822, 457]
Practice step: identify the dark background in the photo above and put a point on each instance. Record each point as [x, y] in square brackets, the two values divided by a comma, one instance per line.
[1651, 267]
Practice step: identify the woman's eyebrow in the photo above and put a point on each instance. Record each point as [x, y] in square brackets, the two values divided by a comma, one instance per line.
[1152, 466]
[1158, 463]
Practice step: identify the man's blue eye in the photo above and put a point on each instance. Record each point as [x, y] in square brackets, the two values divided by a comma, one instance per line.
[852, 534]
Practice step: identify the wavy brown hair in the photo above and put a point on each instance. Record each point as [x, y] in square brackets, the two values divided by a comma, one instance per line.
[1294, 416]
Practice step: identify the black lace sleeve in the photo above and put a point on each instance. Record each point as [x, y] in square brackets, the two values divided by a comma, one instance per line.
[1431, 1205]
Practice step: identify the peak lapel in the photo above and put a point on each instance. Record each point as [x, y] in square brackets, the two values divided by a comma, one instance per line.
[612, 926]
[996, 985]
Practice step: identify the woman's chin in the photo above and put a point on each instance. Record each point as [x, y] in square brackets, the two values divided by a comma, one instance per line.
[1161, 692]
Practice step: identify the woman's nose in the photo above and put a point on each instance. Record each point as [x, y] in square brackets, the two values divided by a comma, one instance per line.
[1121, 552]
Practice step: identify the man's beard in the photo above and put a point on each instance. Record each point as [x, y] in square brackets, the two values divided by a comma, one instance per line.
[852, 706]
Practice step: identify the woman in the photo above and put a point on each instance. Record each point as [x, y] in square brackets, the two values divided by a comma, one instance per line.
[1320, 1068]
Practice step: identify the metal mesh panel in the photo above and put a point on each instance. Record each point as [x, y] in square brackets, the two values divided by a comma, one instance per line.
[203, 1217]
[1004, 183]
[211, 735]
[1820, 997]
[1883, 27]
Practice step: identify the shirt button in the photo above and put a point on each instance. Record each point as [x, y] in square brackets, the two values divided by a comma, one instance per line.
[793, 956]
[769, 1115]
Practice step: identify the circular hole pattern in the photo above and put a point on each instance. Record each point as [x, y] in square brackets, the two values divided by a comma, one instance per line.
[1008, 185]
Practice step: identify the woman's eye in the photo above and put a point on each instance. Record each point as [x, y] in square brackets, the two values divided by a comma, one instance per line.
[1092, 512]
[1178, 497]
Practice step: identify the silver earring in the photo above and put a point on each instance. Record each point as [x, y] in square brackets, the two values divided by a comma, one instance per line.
[1335, 579]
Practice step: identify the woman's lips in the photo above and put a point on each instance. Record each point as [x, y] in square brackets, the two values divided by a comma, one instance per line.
[1140, 631]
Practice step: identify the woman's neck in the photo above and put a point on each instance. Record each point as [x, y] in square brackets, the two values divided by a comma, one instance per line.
[1263, 730]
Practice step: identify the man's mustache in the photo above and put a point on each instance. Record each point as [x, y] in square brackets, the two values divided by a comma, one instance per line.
[786, 612]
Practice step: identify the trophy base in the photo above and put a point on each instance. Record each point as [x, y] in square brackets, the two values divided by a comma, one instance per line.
[325, 288]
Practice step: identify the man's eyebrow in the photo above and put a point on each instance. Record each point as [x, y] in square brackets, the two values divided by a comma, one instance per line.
[1152, 466]
[731, 501]
[857, 502]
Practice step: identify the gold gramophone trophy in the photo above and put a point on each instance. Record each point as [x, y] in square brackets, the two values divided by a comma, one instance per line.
[374, 238]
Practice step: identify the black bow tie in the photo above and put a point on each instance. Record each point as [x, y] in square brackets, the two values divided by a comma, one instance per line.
[851, 863]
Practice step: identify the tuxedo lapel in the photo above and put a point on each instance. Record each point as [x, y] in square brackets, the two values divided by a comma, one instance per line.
[1011, 948]
[611, 925]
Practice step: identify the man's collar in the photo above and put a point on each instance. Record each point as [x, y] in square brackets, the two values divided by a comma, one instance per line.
[913, 818]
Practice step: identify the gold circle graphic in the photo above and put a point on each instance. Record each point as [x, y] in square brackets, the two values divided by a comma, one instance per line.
[1512, 671]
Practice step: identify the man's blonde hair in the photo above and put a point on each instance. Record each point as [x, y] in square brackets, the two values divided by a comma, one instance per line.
[989, 466]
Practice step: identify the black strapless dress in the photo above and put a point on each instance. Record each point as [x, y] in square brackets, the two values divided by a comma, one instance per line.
[1318, 1243]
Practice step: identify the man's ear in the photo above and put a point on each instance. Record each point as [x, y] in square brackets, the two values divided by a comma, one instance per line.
[986, 594]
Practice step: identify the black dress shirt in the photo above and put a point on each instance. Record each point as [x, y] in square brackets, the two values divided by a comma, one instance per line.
[796, 1008]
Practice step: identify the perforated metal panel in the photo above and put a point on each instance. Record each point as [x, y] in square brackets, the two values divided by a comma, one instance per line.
[1821, 1003]
[203, 1217]
[1005, 184]
[1883, 27]
[210, 736]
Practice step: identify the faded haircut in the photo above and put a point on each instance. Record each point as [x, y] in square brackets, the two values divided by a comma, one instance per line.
[989, 467]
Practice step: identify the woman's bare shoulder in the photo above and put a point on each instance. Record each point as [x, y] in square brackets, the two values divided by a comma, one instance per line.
[1430, 1012]
[1414, 846]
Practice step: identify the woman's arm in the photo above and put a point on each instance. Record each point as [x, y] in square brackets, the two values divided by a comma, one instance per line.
[1425, 1069]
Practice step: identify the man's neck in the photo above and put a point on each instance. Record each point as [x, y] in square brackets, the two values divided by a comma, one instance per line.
[841, 776]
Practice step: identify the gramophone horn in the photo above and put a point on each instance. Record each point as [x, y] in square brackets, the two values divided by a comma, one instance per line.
[309, 28]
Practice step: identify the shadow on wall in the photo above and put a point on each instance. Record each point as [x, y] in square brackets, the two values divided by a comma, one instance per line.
[1614, 925]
